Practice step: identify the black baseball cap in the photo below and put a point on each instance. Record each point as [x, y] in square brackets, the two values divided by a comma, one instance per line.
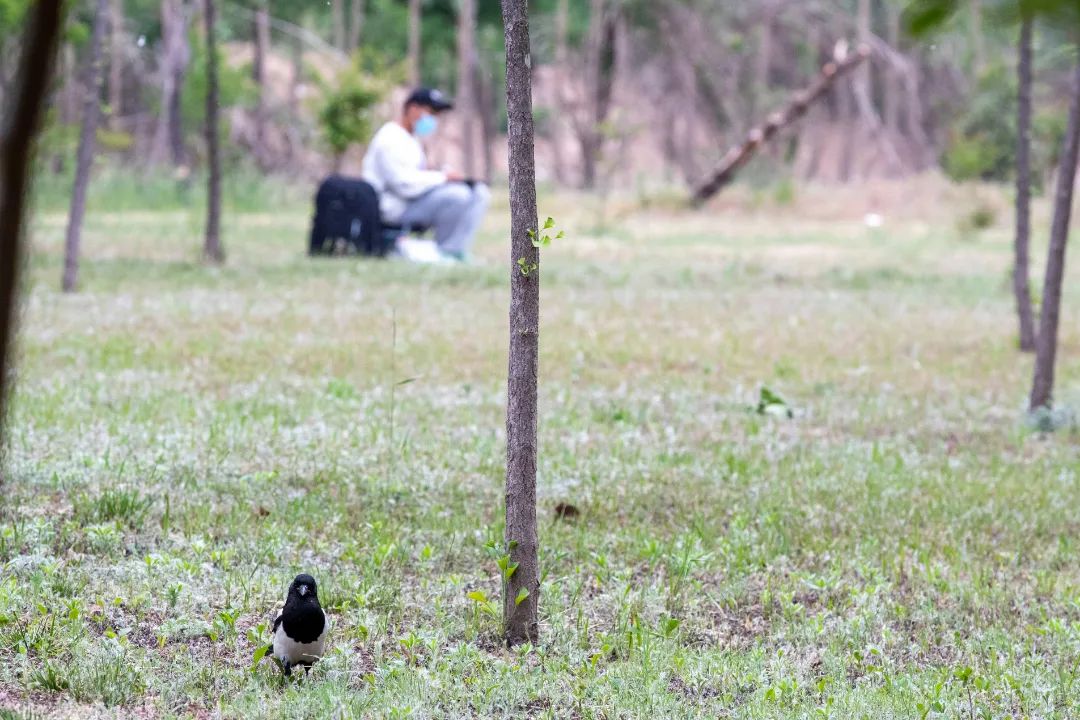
[430, 98]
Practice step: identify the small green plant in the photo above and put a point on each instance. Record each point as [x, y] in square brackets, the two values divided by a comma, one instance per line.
[769, 403]
[539, 240]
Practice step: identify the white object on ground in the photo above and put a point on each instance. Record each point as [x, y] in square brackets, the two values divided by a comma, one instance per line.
[873, 220]
[420, 251]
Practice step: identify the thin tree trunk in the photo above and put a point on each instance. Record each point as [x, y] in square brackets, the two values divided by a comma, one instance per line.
[599, 65]
[978, 43]
[466, 93]
[26, 107]
[356, 26]
[1021, 284]
[337, 15]
[521, 591]
[87, 141]
[116, 63]
[1042, 386]
[414, 42]
[212, 250]
[297, 77]
[891, 98]
[862, 78]
[261, 31]
[486, 102]
[175, 56]
[562, 23]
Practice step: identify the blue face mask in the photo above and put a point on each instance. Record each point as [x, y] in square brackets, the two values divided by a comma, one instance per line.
[426, 126]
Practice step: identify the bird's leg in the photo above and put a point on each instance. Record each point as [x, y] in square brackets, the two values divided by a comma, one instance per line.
[288, 668]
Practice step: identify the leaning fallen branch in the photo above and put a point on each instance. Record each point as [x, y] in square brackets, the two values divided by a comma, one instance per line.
[738, 156]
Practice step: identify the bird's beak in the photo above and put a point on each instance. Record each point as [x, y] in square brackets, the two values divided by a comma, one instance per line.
[303, 590]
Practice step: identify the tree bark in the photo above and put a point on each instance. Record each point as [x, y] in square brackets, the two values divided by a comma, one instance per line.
[1042, 386]
[212, 250]
[87, 142]
[337, 16]
[520, 619]
[26, 107]
[175, 56]
[261, 31]
[1021, 284]
[358, 13]
[737, 157]
[116, 63]
[414, 42]
[466, 93]
[562, 23]
[892, 89]
[486, 102]
[599, 62]
[978, 43]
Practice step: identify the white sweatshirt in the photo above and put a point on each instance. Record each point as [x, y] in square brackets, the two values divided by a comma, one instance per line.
[396, 167]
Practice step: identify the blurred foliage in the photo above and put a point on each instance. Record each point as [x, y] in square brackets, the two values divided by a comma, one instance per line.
[347, 112]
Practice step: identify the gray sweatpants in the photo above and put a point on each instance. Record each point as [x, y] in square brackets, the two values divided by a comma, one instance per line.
[453, 211]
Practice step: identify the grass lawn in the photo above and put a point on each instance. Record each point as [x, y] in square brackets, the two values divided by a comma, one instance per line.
[184, 440]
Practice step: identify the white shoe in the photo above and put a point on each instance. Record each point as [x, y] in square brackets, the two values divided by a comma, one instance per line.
[419, 251]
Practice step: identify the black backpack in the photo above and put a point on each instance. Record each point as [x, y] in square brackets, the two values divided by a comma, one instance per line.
[347, 210]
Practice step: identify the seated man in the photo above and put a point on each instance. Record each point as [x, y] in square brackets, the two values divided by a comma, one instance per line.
[410, 194]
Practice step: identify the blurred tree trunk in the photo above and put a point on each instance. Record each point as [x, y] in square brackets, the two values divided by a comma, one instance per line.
[175, 56]
[488, 110]
[212, 250]
[863, 80]
[337, 16]
[414, 42]
[116, 63]
[978, 42]
[87, 141]
[892, 89]
[466, 92]
[356, 26]
[521, 590]
[599, 65]
[1021, 282]
[1046, 341]
[297, 78]
[23, 113]
[562, 23]
[261, 31]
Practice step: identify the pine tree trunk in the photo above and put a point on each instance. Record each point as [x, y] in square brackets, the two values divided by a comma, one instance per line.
[414, 42]
[261, 31]
[116, 63]
[24, 110]
[337, 16]
[87, 142]
[466, 95]
[356, 26]
[1042, 386]
[1021, 284]
[212, 250]
[521, 591]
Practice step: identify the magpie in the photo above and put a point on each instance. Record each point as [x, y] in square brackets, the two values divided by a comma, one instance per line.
[300, 629]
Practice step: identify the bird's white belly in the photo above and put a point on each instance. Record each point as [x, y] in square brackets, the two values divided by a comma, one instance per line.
[294, 653]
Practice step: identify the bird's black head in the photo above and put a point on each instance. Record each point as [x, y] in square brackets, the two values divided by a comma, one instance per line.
[303, 589]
